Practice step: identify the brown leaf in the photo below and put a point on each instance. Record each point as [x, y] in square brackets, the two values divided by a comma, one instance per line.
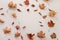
[14, 15]
[41, 6]
[52, 13]
[1, 8]
[20, 4]
[17, 27]
[12, 23]
[22, 37]
[7, 30]
[11, 5]
[33, 5]
[51, 23]
[41, 25]
[2, 13]
[24, 27]
[44, 17]
[40, 14]
[30, 36]
[53, 35]
[17, 34]
[1, 20]
[26, 2]
[35, 10]
[18, 10]
[28, 10]
[41, 34]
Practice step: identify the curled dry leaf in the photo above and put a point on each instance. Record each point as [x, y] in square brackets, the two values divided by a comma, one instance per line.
[30, 36]
[53, 35]
[52, 13]
[14, 15]
[7, 30]
[26, 2]
[1, 20]
[17, 27]
[33, 5]
[24, 27]
[18, 10]
[28, 10]
[41, 34]
[11, 5]
[12, 23]
[41, 6]
[44, 17]
[51, 23]
[17, 34]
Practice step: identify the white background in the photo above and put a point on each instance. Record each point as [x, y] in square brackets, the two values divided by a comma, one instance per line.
[30, 19]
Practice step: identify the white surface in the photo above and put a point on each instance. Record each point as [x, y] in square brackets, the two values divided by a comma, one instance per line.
[29, 19]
